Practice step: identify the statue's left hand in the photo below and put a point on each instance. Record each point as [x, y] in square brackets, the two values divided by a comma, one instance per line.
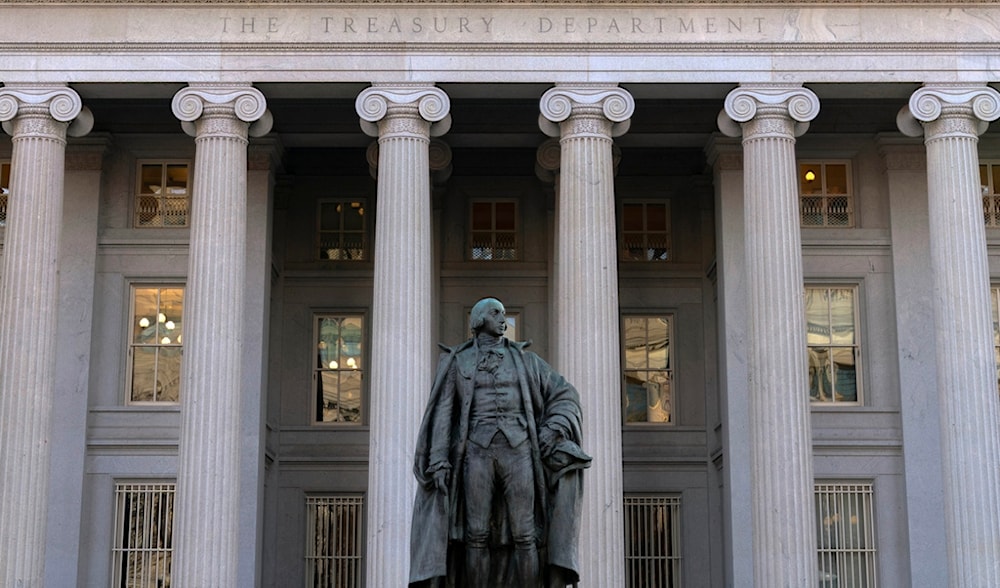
[441, 480]
[547, 439]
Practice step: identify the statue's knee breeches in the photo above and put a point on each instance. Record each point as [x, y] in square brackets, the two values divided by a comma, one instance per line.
[478, 481]
[517, 475]
[499, 468]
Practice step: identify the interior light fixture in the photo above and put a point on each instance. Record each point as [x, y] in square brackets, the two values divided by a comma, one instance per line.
[144, 322]
[810, 175]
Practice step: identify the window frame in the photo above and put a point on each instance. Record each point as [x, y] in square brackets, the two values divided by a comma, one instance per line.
[364, 206]
[850, 192]
[131, 345]
[470, 241]
[675, 503]
[674, 413]
[357, 499]
[990, 191]
[864, 495]
[645, 233]
[995, 320]
[5, 164]
[118, 550]
[138, 194]
[316, 371]
[858, 346]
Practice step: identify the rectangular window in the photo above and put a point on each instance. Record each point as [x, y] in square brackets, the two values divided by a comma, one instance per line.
[334, 541]
[493, 226]
[155, 348]
[143, 543]
[513, 320]
[845, 526]
[648, 371]
[832, 339]
[989, 180]
[652, 541]
[645, 231]
[826, 198]
[162, 194]
[4, 191]
[995, 314]
[342, 234]
[338, 371]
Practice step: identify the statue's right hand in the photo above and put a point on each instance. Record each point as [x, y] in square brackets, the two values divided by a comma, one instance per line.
[441, 480]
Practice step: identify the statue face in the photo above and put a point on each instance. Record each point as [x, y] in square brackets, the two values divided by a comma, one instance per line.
[495, 320]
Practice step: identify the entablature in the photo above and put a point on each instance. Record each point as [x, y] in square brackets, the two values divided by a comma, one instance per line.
[708, 41]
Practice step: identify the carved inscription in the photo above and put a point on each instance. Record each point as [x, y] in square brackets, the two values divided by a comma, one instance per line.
[654, 25]
[239, 22]
[251, 24]
[427, 25]
[416, 25]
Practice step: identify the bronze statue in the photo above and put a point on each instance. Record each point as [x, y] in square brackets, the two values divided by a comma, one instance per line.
[499, 466]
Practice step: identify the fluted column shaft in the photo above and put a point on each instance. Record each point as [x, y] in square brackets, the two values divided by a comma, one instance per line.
[953, 117]
[401, 369]
[208, 485]
[38, 119]
[585, 295]
[784, 538]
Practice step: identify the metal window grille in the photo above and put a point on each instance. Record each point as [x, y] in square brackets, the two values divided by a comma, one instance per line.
[493, 230]
[342, 230]
[989, 180]
[334, 541]
[648, 370]
[645, 231]
[845, 525]
[825, 194]
[652, 542]
[143, 547]
[162, 194]
[833, 348]
[4, 191]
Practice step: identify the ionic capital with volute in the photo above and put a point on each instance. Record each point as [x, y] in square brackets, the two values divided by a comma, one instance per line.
[438, 158]
[586, 110]
[768, 110]
[949, 110]
[547, 159]
[234, 110]
[415, 110]
[44, 110]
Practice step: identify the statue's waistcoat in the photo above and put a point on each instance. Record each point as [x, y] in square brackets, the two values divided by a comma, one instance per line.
[497, 405]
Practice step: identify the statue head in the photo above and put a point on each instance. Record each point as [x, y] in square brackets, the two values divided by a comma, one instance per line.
[482, 312]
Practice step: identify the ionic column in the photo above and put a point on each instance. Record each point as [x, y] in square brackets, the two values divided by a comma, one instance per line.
[952, 117]
[784, 539]
[206, 527]
[38, 117]
[403, 118]
[585, 291]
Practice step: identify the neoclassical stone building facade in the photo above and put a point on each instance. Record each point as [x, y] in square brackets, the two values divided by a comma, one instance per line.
[762, 239]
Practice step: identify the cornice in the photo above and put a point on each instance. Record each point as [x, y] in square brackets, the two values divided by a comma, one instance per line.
[631, 3]
[416, 48]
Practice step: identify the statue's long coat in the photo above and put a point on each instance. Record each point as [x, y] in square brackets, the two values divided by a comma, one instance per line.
[437, 519]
